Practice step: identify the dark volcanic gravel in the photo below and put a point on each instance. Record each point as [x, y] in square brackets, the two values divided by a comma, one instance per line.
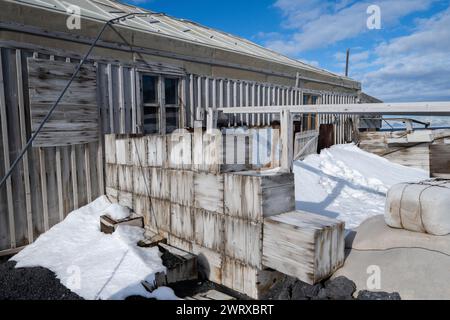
[31, 284]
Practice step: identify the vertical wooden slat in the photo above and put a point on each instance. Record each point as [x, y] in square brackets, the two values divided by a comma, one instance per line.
[110, 98]
[235, 100]
[162, 103]
[183, 119]
[247, 102]
[133, 101]
[9, 197]
[199, 99]
[139, 109]
[206, 93]
[73, 165]
[258, 103]
[253, 103]
[23, 138]
[191, 99]
[100, 172]
[59, 183]
[228, 95]
[241, 98]
[122, 111]
[87, 171]
[44, 187]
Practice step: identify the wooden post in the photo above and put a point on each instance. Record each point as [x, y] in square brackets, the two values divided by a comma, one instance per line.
[287, 142]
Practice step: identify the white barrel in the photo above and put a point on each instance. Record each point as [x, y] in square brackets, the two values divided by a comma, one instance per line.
[422, 207]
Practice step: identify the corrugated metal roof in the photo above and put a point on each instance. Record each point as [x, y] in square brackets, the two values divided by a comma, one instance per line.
[165, 25]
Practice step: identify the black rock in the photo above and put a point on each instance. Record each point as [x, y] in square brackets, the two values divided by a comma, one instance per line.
[340, 288]
[31, 284]
[368, 295]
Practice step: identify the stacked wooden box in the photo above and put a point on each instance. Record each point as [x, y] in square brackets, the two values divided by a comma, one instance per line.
[307, 246]
[185, 196]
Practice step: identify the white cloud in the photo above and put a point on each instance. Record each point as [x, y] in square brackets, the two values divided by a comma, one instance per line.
[413, 67]
[318, 24]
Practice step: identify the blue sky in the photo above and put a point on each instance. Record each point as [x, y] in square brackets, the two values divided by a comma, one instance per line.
[408, 59]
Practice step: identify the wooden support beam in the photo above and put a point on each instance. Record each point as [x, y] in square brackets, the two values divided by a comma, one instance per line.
[100, 172]
[287, 141]
[4, 120]
[43, 173]
[87, 171]
[122, 111]
[408, 108]
[110, 98]
[59, 183]
[134, 122]
[24, 138]
[73, 163]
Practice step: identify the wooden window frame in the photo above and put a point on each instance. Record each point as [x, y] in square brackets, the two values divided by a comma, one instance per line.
[160, 100]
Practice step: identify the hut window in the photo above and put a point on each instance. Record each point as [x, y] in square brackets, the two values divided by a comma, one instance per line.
[161, 107]
[172, 106]
[151, 103]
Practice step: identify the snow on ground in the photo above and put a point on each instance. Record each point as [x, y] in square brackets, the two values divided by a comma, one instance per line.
[347, 183]
[93, 264]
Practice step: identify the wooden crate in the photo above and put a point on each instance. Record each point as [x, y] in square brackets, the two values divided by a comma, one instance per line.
[253, 282]
[125, 199]
[207, 152]
[181, 187]
[307, 246]
[112, 194]
[210, 263]
[208, 229]
[125, 177]
[156, 150]
[112, 178]
[243, 240]
[142, 181]
[208, 191]
[179, 151]
[156, 213]
[160, 184]
[180, 243]
[182, 222]
[138, 149]
[124, 154]
[110, 149]
[254, 195]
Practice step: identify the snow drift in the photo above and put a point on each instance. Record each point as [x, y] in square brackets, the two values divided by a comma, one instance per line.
[92, 264]
[347, 183]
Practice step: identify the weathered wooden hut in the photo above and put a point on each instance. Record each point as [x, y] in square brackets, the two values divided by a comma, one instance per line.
[148, 74]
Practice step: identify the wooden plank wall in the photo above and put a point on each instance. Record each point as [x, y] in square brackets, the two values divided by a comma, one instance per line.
[208, 92]
[50, 182]
[416, 155]
[75, 121]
